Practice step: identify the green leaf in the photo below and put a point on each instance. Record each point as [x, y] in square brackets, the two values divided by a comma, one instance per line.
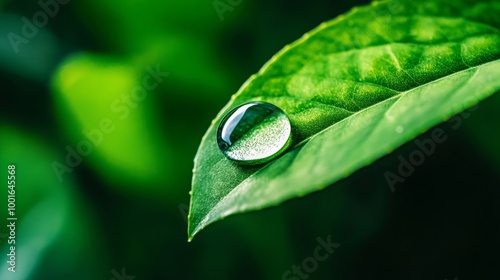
[122, 120]
[355, 88]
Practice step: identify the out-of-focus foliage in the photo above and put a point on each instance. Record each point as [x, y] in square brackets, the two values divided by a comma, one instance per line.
[52, 221]
[107, 109]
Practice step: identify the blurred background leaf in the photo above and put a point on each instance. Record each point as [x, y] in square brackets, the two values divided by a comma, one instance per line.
[52, 220]
[109, 126]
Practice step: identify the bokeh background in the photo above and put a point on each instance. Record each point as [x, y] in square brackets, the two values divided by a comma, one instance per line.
[117, 210]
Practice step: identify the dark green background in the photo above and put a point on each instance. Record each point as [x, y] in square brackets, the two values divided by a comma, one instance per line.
[442, 222]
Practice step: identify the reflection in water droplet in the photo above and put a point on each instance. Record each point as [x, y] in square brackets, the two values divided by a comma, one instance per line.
[254, 133]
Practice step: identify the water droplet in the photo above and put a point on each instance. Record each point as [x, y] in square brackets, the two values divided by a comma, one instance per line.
[254, 133]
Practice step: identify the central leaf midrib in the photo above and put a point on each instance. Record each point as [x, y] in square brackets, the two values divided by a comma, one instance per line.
[399, 95]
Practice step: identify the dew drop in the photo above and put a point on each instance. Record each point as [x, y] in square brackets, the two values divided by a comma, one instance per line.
[254, 133]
